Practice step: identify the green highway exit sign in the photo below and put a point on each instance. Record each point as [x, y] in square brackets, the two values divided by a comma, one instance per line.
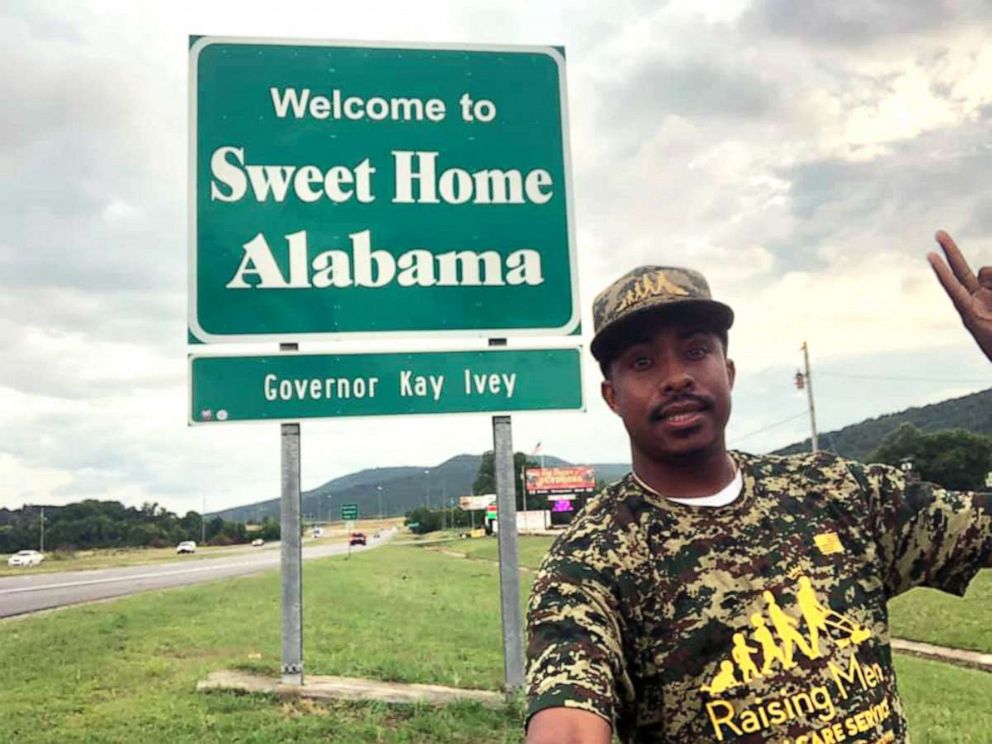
[289, 387]
[378, 188]
[349, 512]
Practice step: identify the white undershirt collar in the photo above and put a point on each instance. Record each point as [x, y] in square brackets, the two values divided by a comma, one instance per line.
[726, 495]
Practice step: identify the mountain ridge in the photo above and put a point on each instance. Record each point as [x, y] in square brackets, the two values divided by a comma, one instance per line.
[403, 488]
[406, 487]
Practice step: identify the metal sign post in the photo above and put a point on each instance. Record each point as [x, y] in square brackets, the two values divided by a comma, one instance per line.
[291, 553]
[509, 554]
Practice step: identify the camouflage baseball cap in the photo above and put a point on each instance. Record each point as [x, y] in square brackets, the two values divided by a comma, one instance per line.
[645, 290]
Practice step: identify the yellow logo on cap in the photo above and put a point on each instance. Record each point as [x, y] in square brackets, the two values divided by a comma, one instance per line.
[662, 284]
[651, 286]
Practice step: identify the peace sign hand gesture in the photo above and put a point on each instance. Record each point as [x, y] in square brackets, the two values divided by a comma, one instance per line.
[971, 295]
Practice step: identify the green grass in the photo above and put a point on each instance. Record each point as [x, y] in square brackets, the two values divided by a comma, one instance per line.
[532, 549]
[126, 671]
[935, 617]
[920, 615]
[944, 703]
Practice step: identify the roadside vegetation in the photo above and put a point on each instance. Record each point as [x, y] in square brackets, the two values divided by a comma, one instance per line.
[109, 524]
[126, 671]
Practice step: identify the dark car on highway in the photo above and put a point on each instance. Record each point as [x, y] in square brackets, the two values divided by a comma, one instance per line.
[357, 538]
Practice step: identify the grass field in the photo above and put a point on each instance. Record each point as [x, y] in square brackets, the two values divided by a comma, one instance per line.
[125, 671]
[936, 617]
[919, 615]
[531, 549]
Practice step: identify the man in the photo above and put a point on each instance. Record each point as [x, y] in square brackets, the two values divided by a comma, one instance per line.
[720, 596]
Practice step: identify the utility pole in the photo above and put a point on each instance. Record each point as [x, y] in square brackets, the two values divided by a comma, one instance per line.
[523, 482]
[203, 521]
[379, 489]
[41, 524]
[809, 395]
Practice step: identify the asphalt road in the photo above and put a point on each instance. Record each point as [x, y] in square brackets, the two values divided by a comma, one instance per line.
[30, 593]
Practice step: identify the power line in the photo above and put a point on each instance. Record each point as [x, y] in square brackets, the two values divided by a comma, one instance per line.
[901, 379]
[770, 426]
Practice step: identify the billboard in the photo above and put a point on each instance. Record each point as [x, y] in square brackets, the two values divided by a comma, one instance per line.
[547, 481]
[475, 503]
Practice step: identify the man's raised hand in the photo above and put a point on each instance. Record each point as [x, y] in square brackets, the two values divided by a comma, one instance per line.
[971, 295]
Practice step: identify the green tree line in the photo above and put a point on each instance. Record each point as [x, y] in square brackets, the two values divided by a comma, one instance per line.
[952, 458]
[110, 524]
[423, 520]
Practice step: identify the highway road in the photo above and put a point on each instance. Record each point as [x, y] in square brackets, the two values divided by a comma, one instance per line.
[33, 592]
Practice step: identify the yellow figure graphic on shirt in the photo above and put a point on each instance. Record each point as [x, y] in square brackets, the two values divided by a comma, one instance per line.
[769, 650]
[724, 679]
[785, 627]
[741, 653]
[819, 618]
[814, 613]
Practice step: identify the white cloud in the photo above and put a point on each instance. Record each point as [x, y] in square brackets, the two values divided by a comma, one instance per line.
[23, 484]
[802, 167]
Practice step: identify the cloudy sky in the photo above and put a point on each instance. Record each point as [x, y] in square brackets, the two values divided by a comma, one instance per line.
[800, 154]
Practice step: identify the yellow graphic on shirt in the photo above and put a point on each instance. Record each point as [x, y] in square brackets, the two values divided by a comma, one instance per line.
[741, 655]
[724, 679]
[819, 618]
[828, 543]
[769, 649]
[786, 628]
[778, 639]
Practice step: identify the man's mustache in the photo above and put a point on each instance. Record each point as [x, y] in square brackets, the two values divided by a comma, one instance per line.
[660, 411]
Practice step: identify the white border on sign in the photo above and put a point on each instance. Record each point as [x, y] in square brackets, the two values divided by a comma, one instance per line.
[581, 408]
[204, 336]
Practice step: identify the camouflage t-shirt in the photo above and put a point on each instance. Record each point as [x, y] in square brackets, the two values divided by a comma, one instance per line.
[761, 620]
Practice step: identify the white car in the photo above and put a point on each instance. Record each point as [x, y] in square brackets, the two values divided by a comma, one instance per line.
[186, 546]
[257, 542]
[25, 558]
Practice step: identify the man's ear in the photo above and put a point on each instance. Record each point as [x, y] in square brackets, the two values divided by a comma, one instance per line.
[731, 372]
[609, 395]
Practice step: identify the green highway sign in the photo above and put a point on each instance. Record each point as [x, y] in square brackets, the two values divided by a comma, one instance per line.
[378, 188]
[292, 386]
[349, 512]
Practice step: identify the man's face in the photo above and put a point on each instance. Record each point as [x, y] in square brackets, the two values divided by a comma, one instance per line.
[671, 387]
